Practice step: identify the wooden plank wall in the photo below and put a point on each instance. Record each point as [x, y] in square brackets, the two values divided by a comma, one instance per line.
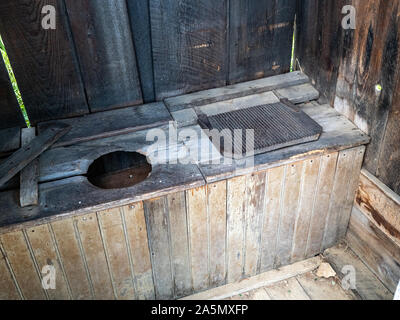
[187, 242]
[123, 52]
[10, 114]
[346, 66]
[44, 61]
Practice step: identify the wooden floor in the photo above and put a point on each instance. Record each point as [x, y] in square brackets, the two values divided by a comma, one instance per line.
[302, 281]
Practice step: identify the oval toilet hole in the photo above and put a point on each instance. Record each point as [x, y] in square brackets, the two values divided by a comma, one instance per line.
[119, 170]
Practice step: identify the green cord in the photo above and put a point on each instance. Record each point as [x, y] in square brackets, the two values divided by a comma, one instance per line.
[14, 82]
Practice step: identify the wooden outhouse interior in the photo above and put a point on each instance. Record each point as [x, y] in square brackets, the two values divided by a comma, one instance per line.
[86, 87]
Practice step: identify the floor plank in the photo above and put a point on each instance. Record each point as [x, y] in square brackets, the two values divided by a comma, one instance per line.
[287, 290]
[323, 289]
[368, 287]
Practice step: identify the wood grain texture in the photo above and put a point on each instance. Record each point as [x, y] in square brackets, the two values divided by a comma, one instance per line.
[74, 265]
[139, 250]
[180, 244]
[29, 176]
[216, 203]
[105, 50]
[319, 42]
[338, 198]
[111, 123]
[21, 158]
[95, 258]
[45, 254]
[196, 202]
[255, 204]
[158, 229]
[354, 180]
[287, 290]
[10, 113]
[389, 160]
[368, 286]
[270, 224]
[235, 91]
[8, 288]
[260, 38]
[24, 269]
[323, 289]
[289, 210]
[375, 249]
[347, 65]
[10, 140]
[306, 205]
[117, 253]
[141, 30]
[43, 60]
[380, 204]
[321, 206]
[189, 45]
[236, 206]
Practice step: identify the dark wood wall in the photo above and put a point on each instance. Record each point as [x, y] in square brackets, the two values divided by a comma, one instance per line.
[347, 66]
[114, 53]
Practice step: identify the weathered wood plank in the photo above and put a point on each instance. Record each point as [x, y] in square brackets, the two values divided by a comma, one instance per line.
[298, 94]
[262, 280]
[318, 48]
[103, 40]
[73, 262]
[273, 203]
[10, 140]
[216, 203]
[321, 207]
[164, 179]
[95, 257]
[368, 287]
[380, 204]
[389, 160]
[236, 201]
[261, 34]
[189, 45]
[287, 290]
[21, 158]
[258, 294]
[307, 200]
[338, 198]
[158, 230]
[24, 269]
[289, 212]
[45, 253]
[8, 289]
[323, 289]
[180, 244]
[237, 104]
[117, 253]
[235, 91]
[196, 204]
[354, 179]
[111, 123]
[140, 21]
[255, 205]
[29, 176]
[10, 113]
[39, 58]
[375, 249]
[139, 250]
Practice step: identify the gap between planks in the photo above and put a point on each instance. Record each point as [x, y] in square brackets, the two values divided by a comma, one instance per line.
[259, 281]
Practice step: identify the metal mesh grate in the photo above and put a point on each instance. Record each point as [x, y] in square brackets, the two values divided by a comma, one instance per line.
[275, 126]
